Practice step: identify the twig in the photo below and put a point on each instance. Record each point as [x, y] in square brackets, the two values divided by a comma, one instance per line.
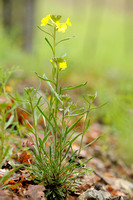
[101, 177]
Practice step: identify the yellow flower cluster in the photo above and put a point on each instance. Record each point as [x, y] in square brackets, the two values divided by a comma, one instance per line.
[60, 61]
[53, 20]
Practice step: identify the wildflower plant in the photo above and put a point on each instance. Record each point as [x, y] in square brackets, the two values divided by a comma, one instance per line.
[55, 162]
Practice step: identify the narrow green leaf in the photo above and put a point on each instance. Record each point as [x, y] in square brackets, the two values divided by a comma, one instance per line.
[45, 79]
[40, 141]
[86, 100]
[87, 126]
[90, 143]
[86, 161]
[52, 89]
[56, 125]
[28, 128]
[9, 122]
[98, 106]
[70, 142]
[35, 91]
[66, 152]
[45, 31]
[65, 40]
[74, 125]
[75, 138]
[38, 102]
[76, 115]
[70, 166]
[71, 87]
[49, 44]
[46, 137]
[45, 117]
[19, 100]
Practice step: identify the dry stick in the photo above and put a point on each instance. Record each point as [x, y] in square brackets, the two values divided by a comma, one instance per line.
[101, 177]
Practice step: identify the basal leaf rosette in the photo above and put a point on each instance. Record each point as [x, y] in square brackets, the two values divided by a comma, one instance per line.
[53, 20]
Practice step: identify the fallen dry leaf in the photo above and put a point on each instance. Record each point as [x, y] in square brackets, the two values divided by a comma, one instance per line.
[25, 157]
[5, 195]
[35, 192]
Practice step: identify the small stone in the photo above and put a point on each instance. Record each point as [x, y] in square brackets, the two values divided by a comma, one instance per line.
[92, 194]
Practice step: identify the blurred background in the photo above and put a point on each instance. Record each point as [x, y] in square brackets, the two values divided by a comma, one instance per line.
[101, 53]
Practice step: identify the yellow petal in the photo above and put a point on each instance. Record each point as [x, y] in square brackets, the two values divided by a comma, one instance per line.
[58, 24]
[68, 22]
[63, 65]
[45, 20]
[62, 28]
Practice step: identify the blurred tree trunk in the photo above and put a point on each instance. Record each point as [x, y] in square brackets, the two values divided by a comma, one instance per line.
[28, 24]
[7, 14]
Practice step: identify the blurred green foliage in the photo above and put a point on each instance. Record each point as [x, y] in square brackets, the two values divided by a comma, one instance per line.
[101, 53]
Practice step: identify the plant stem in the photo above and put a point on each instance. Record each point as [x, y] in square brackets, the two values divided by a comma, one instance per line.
[56, 88]
[86, 117]
[61, 138]
[34, 122]
[54, 42]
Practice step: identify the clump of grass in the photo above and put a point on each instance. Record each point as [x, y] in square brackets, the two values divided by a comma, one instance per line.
[53, 164]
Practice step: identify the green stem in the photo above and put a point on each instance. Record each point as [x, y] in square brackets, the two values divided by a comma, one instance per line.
[54, 42]
[34, 122]
[56, 88]
[83, 132]
[61, 138]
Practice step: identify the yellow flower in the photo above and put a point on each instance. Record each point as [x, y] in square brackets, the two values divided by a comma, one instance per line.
[61, 27]
[68, 22]
[54, 21]
[45, 20]
[63, 65]
[49, 98]
[8, 89]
